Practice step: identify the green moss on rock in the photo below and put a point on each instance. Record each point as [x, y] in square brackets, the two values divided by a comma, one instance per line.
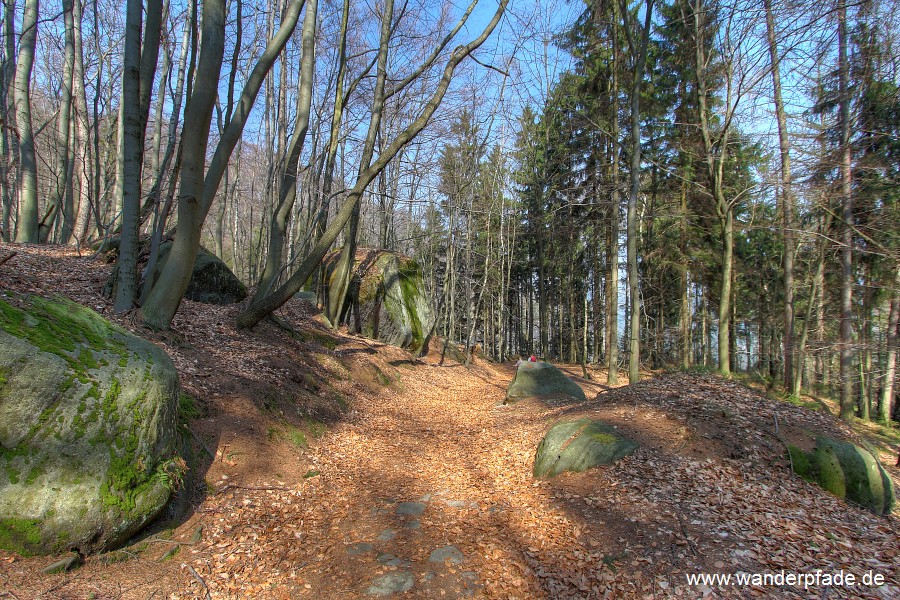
[110, 399]
[847, 471]
[579, 445]
[19, 535]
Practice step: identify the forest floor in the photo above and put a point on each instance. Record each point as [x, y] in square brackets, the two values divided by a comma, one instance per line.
[338, 467]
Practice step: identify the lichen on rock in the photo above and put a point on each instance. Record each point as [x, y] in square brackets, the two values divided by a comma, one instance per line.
[540, 379]
[579, 445]
[387, 293]
[87, 429]
[847, 471]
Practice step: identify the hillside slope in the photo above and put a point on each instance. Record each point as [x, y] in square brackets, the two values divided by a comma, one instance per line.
[421, 485]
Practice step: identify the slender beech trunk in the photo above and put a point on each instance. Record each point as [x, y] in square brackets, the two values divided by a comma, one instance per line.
[846, 254]
[885, 400]
[640, 60]
[787, 204]
[139, 69]
[63, 128]
[612, 285]
[198, 192]
[715, 151]
[8, 148]
[28, 202]
[339, 279]
[287, 190]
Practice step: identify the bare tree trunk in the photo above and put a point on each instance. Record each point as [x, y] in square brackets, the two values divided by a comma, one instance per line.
[166, 294]
[612, 285]
[886, 399]
[197, 192]
[339, 279]
[287, 190]
[787, 204]
[28, 202]
[8, 148]
[847, 400]
[63, 127]
[634, 354]
[138, 72]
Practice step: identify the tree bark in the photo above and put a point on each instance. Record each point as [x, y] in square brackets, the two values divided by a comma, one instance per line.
[28, 202]
[886, 399]
[634, 355]
[197, 192]
[166, 294]
[288, 185]
[63, 127]
[846, 258]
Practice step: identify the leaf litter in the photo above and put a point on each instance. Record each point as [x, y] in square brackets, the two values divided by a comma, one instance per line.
[709, 490]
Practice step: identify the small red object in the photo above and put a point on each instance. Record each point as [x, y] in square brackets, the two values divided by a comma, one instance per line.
[532, 358]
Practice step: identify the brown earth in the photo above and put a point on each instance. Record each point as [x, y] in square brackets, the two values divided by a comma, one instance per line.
[409, 457]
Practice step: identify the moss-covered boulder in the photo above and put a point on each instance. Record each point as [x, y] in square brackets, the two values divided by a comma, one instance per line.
[388, 295]
[537, 379]
[578, 446]
[87, 429]
[212, 282]
[847, 471]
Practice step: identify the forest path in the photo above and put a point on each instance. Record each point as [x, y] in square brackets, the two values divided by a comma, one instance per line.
[427, 488]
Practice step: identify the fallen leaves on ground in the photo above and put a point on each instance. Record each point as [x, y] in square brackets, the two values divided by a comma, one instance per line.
[708, 491]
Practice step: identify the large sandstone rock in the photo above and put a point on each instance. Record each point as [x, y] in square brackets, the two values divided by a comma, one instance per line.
[847, 471]
[87, 429]
[578, 446]
[388, 293]
[536, 379]
[212, 282]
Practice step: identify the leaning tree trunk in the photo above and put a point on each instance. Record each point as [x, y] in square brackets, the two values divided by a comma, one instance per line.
[198, 192]
[287, 191]
[28, 202]
[259, 310]
[166, 295]
[339, 280]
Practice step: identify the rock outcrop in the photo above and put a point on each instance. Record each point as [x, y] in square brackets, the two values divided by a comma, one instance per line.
[578, 446]
[87, 429]
[537, 379]
[212, 282]
[388, 295]
[847, 471]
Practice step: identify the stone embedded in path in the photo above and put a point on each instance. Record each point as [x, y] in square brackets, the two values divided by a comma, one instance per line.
[579, 445]
[387, 535]
[392, 583]
[540, 379]
[410, 509]
[447, 554]
[359, 548]
[392, 561]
